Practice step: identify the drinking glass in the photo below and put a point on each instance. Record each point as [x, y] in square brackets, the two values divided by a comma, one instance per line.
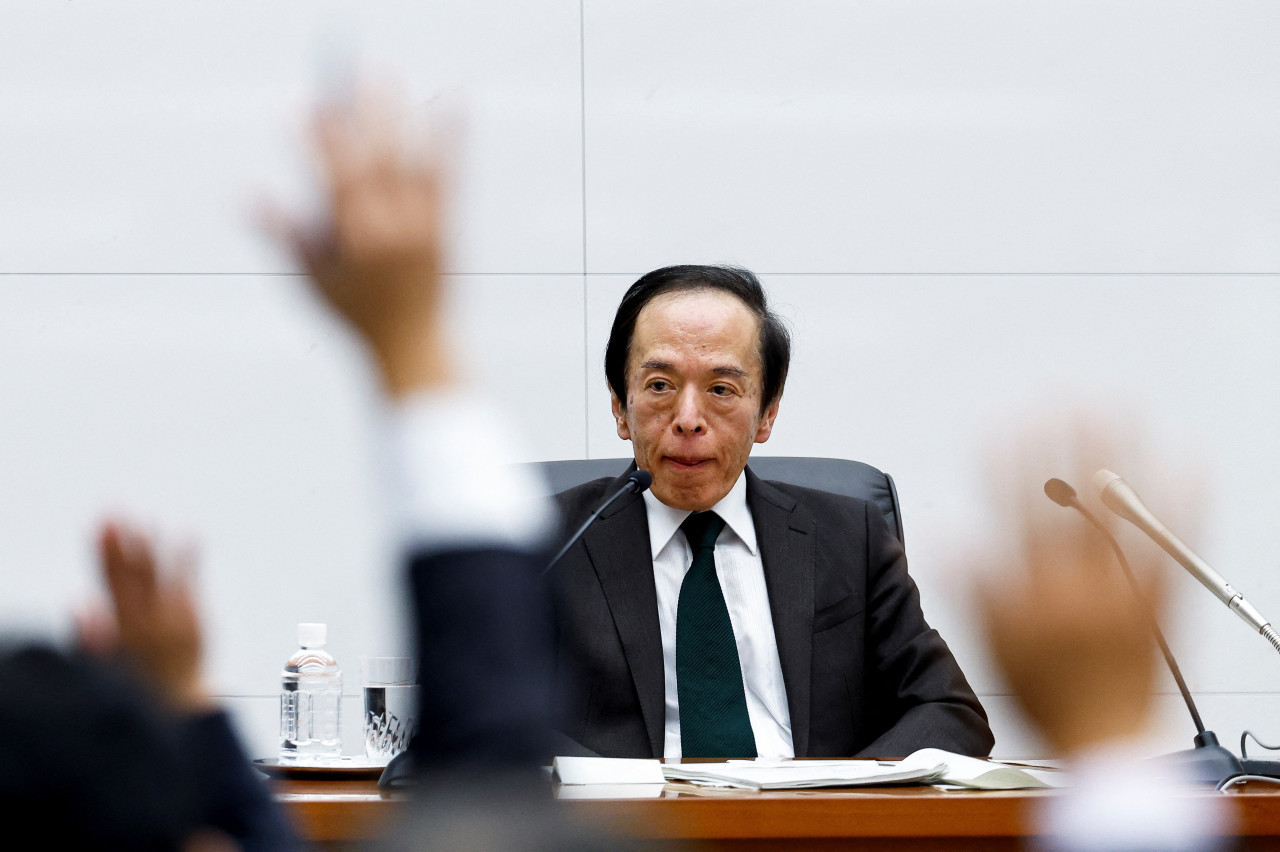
[390, 705]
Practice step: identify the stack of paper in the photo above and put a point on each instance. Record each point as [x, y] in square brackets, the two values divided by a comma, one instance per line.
[799, 774]
[978, 774]
[607, 770]
[927, 766]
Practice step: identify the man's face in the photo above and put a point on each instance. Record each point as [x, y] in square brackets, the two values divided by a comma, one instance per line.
[694, 386]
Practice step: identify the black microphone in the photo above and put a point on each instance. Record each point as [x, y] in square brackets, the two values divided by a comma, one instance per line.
[637, 483]
[1209, 761]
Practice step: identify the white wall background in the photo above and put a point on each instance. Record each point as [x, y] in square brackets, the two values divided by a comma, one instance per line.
[965, 209]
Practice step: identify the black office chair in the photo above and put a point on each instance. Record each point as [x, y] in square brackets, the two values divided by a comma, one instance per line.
[839, 476]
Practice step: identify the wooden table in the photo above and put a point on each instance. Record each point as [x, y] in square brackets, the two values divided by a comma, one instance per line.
[336, 811]
[917, 818]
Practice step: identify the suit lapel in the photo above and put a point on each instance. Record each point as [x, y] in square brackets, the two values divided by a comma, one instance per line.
[784, 534]
[618, 546]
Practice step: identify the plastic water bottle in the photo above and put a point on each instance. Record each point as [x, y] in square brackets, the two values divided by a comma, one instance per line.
[311, 701]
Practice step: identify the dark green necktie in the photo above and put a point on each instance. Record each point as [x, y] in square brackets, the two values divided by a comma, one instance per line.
[713, 705]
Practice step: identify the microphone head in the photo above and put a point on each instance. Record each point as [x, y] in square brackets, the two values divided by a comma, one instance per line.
[642, 479]
[1103, 479]
[1107, 483]
[1060, 492]
[1118, 496]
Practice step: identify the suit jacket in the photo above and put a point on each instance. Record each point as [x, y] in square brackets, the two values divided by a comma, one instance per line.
[864, 674]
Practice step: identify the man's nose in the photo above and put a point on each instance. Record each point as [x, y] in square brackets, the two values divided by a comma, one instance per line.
[689, 419]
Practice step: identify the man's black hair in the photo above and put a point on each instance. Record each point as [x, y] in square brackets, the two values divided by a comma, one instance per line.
[775, 340]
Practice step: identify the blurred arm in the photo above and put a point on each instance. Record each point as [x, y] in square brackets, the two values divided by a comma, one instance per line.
[153, 623]
[1072, 639]
[472, 524]
[376, 262]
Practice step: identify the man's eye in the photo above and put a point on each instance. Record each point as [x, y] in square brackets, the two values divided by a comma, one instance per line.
[721, 390]
[658, 385]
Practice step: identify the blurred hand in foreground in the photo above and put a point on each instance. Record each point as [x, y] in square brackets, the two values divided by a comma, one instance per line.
[376, 257]
[151, 620]
[1065, 627]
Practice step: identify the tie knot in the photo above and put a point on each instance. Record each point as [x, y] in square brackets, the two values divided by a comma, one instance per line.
[702, 529]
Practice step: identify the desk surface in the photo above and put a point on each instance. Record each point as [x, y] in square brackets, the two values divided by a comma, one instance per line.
[919, 818]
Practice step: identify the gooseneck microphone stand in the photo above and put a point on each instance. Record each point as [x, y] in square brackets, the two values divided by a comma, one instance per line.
[1208, 762]
[638, 482]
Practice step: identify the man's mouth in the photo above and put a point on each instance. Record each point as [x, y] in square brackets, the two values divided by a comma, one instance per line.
[680, 463]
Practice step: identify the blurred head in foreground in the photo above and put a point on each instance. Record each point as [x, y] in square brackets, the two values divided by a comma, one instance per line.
[85, 757]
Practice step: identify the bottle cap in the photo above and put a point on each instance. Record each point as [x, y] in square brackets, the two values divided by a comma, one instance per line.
[312, 635]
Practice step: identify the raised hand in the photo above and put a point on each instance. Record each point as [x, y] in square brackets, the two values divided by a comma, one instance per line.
[1064, 626]
[151, 620]
[377, 256]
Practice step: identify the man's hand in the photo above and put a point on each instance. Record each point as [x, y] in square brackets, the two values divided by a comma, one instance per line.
[377, 258]
[152, 620]
[1066, 628]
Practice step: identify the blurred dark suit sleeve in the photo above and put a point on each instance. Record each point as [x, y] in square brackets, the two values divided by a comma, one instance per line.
[484, 643]
[235, 798]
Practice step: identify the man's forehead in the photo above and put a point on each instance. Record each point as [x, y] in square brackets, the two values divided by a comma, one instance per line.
[681, 301]
[698, 318]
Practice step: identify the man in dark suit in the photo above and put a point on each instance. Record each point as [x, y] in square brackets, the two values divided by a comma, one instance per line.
[719, 615]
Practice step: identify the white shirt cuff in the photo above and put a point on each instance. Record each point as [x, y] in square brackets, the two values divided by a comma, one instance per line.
[457, 484]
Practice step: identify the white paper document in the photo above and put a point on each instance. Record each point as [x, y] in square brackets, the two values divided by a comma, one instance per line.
[610, 791]
[607, 770]
[926, 766]
[799, 774]
[980, 774]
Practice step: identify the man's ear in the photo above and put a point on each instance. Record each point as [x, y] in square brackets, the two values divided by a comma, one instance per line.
[620, 415]
[765, 428]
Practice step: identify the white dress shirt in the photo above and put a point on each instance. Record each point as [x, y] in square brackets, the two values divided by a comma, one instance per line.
[741, 574]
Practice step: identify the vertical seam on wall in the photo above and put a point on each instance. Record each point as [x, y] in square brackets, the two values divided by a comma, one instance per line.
[582, 104]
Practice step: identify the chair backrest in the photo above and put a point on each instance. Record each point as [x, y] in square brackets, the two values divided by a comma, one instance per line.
[839, 476]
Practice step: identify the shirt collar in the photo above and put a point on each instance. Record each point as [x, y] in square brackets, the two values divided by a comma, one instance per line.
[732, 508]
